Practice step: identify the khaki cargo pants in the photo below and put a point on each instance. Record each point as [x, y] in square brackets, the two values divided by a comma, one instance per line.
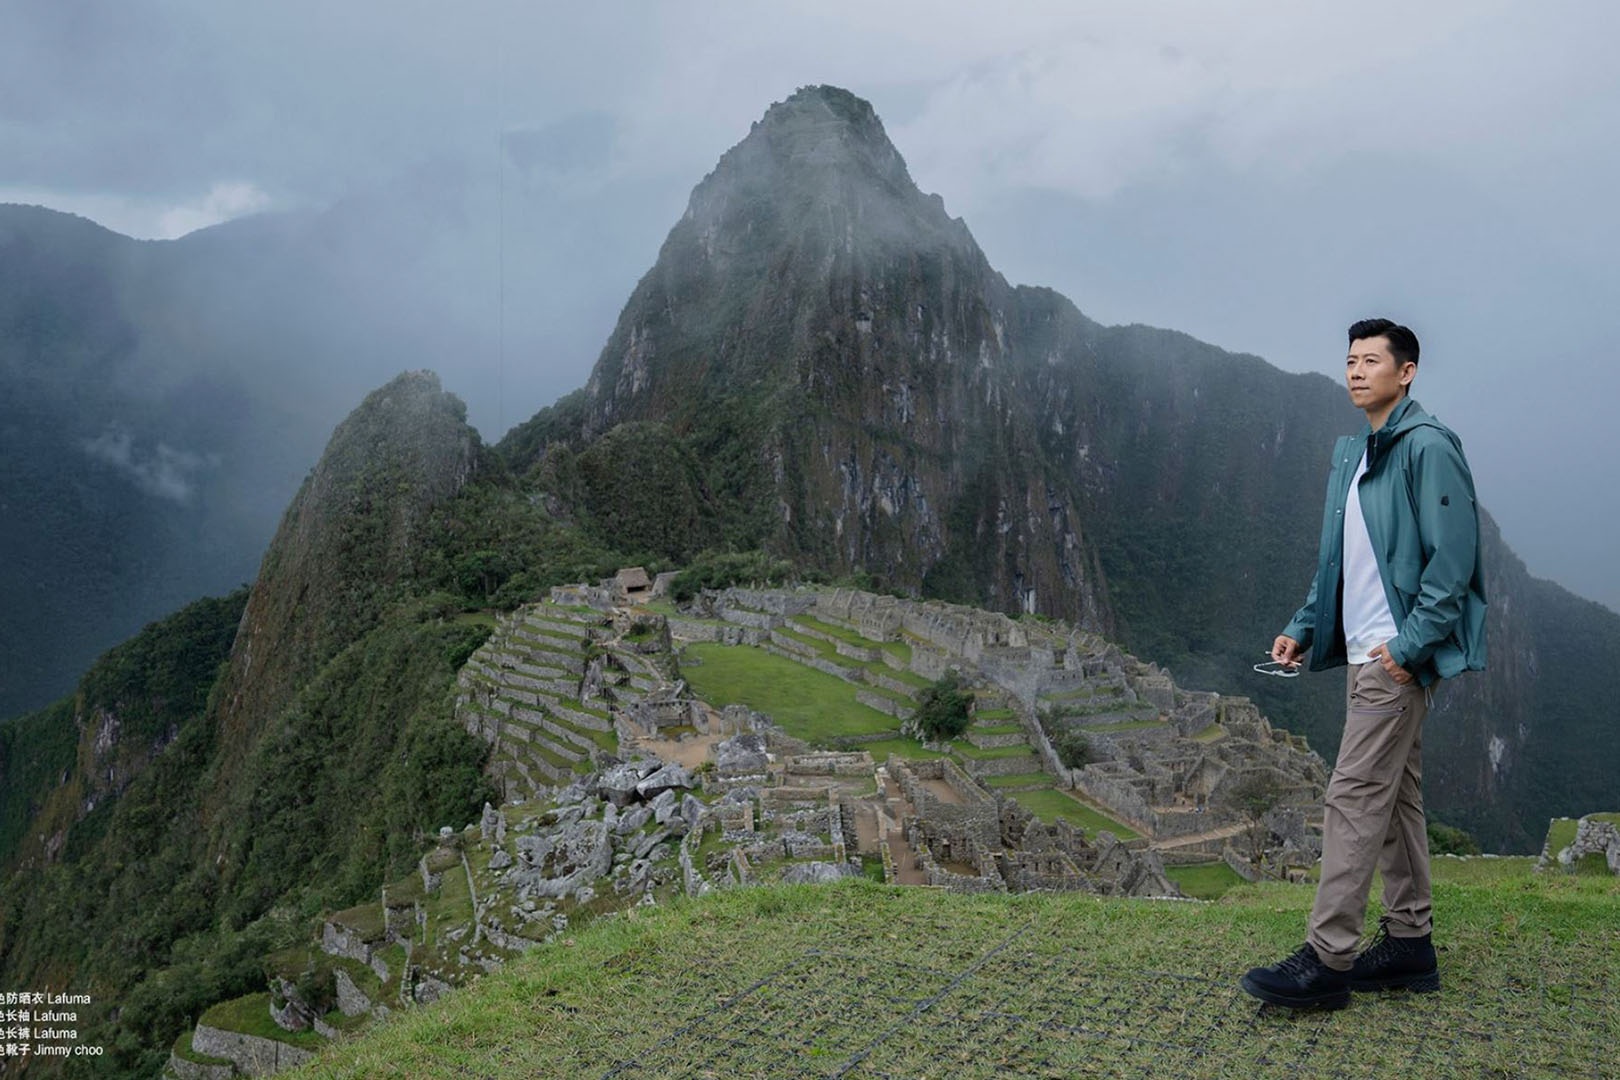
[1373, 817]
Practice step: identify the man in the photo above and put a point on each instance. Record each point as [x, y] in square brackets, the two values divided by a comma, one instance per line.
[1399, 597]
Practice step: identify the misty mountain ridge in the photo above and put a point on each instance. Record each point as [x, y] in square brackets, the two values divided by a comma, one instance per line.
[821, 363]
[163, 401]
[848, 402]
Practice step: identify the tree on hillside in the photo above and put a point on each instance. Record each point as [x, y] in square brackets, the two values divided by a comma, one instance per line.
[1256, 794]
[943, 711]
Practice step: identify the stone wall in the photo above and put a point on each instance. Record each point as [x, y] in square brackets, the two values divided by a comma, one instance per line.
[693, 629]
[594, 596]
[1117, 794]
[884, 704]
[1242, 867]
[185, 1069]
[253, 1055]
[756, 620]
[930, 662]
[776, 602]
[830, 763]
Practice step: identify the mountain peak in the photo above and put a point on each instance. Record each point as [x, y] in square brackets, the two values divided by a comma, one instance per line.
[822, 159]
[813, 213]
[825, 122]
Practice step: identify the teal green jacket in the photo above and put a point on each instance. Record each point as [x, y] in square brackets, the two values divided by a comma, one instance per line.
[1418, 500]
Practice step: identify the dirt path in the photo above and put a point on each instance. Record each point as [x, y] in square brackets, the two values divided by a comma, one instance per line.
[692, 750]
[1198, 838]
[688, 753]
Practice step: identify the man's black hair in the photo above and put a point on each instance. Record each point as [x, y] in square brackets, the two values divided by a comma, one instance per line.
[1403, 344]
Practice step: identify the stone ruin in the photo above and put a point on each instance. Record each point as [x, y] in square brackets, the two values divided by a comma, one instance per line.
[1167, 761]
[967, 839]
[1595, 834]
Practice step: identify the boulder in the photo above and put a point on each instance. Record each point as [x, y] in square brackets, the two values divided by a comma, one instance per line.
[691, 810]
[632, 820]
[618, 785]
[650, 841]
[664, 806]
[664, 780]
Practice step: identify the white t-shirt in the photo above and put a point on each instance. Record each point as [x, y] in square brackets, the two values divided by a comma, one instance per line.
[1368, 622]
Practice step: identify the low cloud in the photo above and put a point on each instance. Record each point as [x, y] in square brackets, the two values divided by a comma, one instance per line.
[222, 203]
[146, 218]
[164, 472]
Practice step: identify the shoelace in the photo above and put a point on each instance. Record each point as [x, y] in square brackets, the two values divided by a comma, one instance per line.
[1303, 962]
[1383, 947]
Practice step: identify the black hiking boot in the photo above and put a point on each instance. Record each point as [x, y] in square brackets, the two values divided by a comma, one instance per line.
[1300, 981]
[1391, 962]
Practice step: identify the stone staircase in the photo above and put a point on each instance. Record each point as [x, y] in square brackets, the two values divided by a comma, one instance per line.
[526, 693]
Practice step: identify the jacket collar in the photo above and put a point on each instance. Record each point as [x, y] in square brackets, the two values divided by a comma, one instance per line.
[1405, 416]
[1408, 414]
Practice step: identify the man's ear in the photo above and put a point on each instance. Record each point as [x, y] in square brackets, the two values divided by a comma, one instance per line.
[1408, 373]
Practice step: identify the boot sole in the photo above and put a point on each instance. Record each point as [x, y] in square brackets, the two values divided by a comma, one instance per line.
[1419, 982]
[1333, 999]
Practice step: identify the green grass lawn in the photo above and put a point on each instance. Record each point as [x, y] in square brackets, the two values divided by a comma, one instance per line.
[824, 981]
[906, 748]
[1204, 881]
[1052, 803]
[807, 703]
[990, 753]
[1019, 780]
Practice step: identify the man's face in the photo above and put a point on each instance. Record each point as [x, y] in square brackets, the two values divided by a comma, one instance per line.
[1375, 380]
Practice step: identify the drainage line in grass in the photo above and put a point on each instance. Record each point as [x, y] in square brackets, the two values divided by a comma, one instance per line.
[929, 1002]
[674, 1036]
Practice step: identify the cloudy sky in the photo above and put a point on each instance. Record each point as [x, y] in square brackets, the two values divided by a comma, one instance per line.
[1258, 174]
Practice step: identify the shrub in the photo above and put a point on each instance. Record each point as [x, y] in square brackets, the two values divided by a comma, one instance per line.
[720, 570]
[943, 710]
[1445, 840]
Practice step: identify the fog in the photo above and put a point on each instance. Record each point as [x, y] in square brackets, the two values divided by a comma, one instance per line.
[477, 188]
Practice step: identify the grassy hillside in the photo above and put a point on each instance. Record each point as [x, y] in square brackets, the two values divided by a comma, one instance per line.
[867, 981]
